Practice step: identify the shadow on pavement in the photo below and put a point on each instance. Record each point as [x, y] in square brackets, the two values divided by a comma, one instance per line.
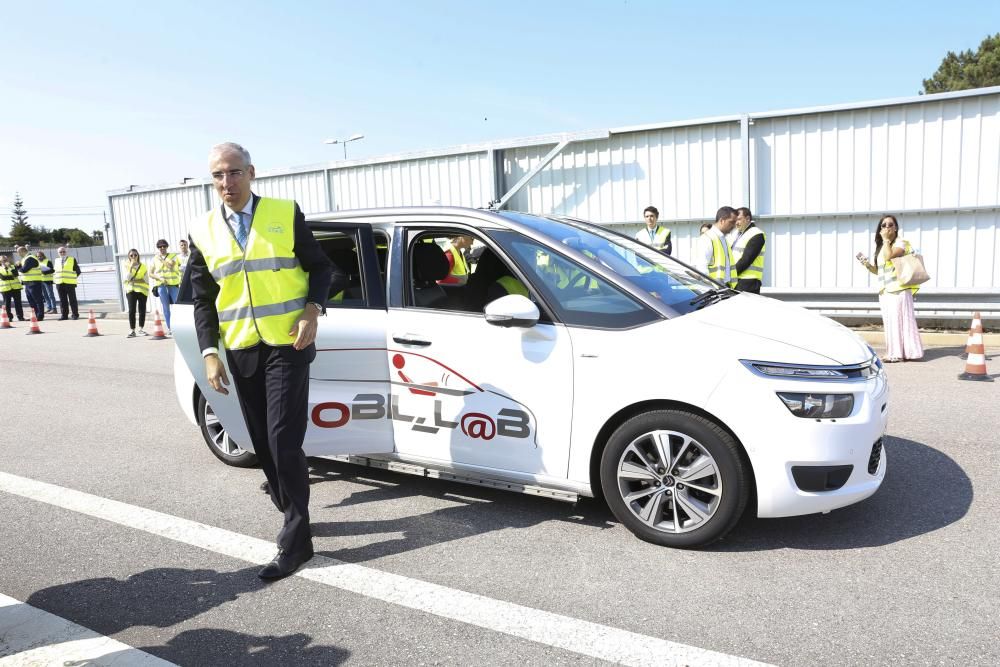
[164, 597]
[924, 490]
[482, 510]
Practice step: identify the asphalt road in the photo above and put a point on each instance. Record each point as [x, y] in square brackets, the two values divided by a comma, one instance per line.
[909, 576]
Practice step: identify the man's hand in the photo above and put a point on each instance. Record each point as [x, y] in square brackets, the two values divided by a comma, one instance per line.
[305, 327]
[216, 373]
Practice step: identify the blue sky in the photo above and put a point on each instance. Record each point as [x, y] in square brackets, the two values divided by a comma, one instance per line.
[99, 95]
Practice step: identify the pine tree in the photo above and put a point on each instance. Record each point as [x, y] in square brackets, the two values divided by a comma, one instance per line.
[20, 231]
[966, 69]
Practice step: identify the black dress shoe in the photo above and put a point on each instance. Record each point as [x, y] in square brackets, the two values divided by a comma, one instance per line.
[286, 563]
[63, 318]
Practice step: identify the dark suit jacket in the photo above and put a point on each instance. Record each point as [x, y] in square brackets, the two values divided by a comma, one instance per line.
[204, 290]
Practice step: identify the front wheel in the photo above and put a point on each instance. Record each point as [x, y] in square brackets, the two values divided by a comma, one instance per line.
[218, 440]
[674, 478]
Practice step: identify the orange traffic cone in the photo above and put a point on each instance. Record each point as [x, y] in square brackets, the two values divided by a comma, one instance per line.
[158, 329]
[34, 327]
[975, 364]
[91, 326]
[4, 321]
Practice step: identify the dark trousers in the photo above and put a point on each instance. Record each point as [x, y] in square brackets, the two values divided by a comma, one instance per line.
[748, 285]
[275, 403]
[136, 302]
[13, 297]
[67, 301]
[33, 290]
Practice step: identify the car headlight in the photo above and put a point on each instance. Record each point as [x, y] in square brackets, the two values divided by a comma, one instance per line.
[818, 406]
[794, 371]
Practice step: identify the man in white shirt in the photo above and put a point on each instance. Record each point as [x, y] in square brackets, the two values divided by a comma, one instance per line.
[713, 255]
[183, 256]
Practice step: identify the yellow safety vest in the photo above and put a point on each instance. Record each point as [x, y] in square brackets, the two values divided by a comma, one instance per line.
[660, 237]
[136, 280]
[32, 276]
[168, 277]
[513, 285]
[67, 274]
[756, 269]
[46, 277]
[887, 274]
[717, 269]
[8, 281]
[262, 291]
[460, 269]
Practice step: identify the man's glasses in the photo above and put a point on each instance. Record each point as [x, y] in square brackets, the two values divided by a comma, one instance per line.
[232, 173]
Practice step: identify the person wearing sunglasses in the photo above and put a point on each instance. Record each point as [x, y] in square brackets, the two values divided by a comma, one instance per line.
[899, 322]
[166, 274]
[136, 292]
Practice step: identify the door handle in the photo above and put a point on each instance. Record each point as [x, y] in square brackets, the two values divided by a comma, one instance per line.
[410, 339]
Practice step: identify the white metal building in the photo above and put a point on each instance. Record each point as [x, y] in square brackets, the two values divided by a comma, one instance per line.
[817, 180]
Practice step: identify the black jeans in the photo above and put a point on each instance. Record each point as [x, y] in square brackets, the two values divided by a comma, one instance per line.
[34, 291]
[13, 297]
[67, 301]
[136, 301]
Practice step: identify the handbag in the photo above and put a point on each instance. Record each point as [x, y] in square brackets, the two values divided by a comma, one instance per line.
[156, 290]
[910, 270]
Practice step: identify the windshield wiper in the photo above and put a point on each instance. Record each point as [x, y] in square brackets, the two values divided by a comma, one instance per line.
[712, 296]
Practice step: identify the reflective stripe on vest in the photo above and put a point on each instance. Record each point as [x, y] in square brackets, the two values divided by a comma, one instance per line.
[8, 281]
[137, 281]
[717, 269]
[513, 285]
[756, 269]
[67, 274]
[32, 276]
[660, 237]
[262, 291]
[459, 269]
[887, 274]
[167, 276]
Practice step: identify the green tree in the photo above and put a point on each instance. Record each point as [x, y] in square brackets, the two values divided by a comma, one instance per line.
[20, 231]
[79, 238]
[966, 69]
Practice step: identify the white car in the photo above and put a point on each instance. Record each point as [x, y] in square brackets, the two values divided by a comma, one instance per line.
[573, 361]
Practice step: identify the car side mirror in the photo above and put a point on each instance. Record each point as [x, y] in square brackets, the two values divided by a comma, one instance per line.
[512, 310]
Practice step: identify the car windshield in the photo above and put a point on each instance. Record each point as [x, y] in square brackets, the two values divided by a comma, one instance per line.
[679, 287]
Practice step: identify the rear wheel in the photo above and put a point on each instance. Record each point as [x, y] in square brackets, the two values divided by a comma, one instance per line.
[674, 478]
[214, 433]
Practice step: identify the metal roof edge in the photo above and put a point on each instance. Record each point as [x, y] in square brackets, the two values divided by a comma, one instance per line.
[647, 127]
[888, 102]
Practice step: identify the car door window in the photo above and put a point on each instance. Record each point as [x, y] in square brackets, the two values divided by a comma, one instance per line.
[579, 296]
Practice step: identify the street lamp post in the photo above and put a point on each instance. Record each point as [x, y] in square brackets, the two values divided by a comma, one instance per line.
[344, 142]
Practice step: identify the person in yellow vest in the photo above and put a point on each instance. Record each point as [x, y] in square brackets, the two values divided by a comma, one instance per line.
[654, 234]
[748, 251]
[66, 277]
[10, 287]
[712, 255]
[458, 267]
[30, 273]
[136, 292]
[48, 275]
[165, 272]
[899, 322]
[259, 280]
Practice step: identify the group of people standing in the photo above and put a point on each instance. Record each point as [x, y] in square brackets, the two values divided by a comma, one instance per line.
[733, 258]
[731, 251]
[163, 277]
[40, 277]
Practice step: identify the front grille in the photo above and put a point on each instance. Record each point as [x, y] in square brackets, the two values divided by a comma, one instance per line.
[875, 457]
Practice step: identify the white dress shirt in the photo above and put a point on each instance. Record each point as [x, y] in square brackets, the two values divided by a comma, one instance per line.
[704, 252]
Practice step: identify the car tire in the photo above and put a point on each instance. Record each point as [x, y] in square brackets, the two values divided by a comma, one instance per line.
[218, 441]
[675, 478]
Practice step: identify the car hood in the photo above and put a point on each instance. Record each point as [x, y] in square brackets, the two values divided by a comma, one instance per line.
[786, 323]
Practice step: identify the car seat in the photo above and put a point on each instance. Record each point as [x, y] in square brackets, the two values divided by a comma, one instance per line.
[488, 270]
[429, 266]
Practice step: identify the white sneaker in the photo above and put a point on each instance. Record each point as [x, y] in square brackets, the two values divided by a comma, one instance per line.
[142, 333]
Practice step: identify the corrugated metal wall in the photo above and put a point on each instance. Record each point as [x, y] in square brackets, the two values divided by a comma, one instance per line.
[817, 180]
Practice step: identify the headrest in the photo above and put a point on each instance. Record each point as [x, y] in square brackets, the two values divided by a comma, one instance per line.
[429, 263]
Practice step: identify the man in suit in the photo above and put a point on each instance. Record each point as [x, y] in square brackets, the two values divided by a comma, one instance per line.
[259, 280]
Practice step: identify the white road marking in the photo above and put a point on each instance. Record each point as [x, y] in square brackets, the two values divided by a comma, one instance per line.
[30, 636]
[581, 637]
